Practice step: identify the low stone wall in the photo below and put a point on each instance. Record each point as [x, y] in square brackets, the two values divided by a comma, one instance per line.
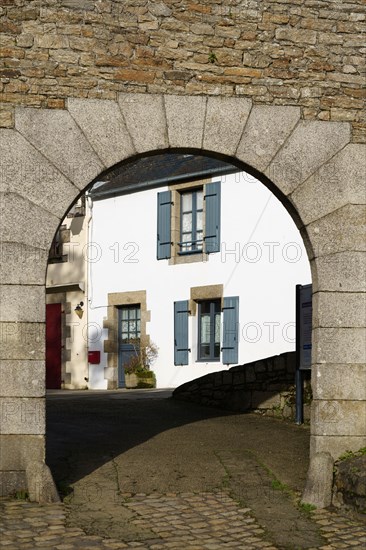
[265, 387]
[349, 483]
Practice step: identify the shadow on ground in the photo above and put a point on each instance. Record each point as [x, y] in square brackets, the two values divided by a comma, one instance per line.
[111, 445]
[87, 429]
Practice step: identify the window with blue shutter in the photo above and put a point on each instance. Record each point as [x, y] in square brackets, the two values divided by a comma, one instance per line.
[164, 225]
[230, 332]
[181, 349]
[209, 320]
[213, 215]
[191, 216]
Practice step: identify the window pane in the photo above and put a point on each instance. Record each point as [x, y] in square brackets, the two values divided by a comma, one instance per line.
[217, 328]
[217, 351]
[199, 242]
[124, 326]
[210, 329]
[187, 222]
[205, 329]
[186, 238]
[200, 200]
[124, 313]
[132, 314]
[205, 351]
[187, 202]
[199, 221]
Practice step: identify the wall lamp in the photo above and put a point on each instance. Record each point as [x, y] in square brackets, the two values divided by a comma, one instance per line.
[79, 310]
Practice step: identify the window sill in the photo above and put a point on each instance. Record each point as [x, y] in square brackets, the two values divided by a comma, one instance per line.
[190, 253]
[188, 258]
[57, 259]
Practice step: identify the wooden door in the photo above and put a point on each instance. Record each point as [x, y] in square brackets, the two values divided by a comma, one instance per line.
[53, 346]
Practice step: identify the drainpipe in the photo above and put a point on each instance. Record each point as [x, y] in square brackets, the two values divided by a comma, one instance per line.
[89, 203]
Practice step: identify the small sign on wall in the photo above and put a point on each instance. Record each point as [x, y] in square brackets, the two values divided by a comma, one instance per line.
[94, 357]
[304, 309]
[304, 321]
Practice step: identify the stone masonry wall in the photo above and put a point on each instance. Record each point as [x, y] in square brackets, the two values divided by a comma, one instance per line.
[349, 481]
[266, 387]
[308, 53]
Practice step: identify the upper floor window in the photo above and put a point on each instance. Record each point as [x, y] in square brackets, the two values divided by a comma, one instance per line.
[189, 225]
[55, 253]
[78, 209]
[191, 221]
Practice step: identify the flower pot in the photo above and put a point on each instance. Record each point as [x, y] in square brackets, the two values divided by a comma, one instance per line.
[144, 379]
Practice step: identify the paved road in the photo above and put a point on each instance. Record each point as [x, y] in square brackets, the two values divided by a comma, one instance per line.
[140, 470]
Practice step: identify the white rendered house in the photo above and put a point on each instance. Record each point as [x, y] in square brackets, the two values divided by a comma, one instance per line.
[206, 269]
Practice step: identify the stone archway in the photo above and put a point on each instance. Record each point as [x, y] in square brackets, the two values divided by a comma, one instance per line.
[52, 155]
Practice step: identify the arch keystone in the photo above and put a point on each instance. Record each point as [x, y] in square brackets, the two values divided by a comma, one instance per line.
[185, 118]
[56, 135]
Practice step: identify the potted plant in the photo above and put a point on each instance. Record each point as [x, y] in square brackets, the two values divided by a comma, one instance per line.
[137, 371]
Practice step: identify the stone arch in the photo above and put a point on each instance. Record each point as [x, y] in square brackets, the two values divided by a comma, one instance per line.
[52, 155]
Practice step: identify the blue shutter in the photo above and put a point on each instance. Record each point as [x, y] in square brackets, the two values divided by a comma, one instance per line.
[212, 229]
[164, 216]
[230, 336]
[181, 333]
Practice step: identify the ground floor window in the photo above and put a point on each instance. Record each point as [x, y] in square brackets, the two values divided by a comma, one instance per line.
[130, 323]
[209, 320]
[217, 326]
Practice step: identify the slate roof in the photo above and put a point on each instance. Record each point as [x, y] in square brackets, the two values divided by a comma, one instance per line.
[156, 171]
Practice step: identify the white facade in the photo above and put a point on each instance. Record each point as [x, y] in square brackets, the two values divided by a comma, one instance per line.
[261, 259]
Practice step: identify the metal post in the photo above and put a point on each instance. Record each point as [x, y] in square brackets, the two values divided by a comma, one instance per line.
[299, 419]
[299, 415]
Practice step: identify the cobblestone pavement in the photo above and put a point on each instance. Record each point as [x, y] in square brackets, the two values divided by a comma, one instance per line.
[188, 520]
[157, 474]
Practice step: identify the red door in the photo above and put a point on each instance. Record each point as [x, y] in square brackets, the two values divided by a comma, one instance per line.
[53, 346]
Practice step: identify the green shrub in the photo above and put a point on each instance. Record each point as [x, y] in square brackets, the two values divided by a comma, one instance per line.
[142, 361]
